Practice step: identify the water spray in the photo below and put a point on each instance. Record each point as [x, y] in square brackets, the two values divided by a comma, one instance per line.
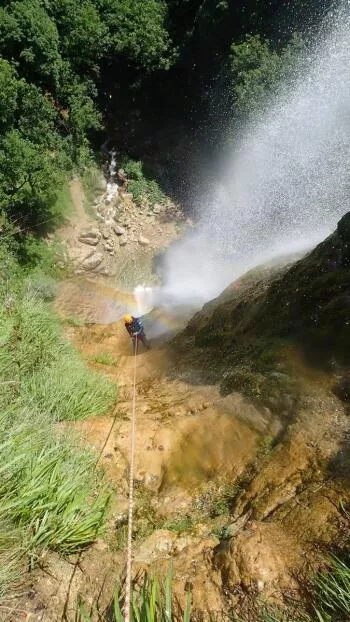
[286, 183]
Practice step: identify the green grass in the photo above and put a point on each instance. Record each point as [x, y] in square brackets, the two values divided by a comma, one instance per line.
[333, 592]
[179, 524]
[52, 496]
[105, 358]
[152, 601]
[48, 485]
[44, 369]
[74, 321]
[140, 186]
[63, 207]
[216, 500]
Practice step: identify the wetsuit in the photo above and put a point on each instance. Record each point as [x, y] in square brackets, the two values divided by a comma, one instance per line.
[136, 329]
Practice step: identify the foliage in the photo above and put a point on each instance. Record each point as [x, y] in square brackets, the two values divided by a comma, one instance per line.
[45, 369]
[52, 495]
[138, 32]
[46, 484]
[151, 601]
[333, 592]
[256, 70]
[216, 500]
[140, 186]
[105, 358]
[179, 524]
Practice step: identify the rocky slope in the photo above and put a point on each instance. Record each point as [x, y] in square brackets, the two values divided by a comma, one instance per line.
[242, 448]
[115, 237]
[244, 337]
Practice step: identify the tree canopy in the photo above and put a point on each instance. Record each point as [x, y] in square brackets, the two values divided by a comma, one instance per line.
[69, 68]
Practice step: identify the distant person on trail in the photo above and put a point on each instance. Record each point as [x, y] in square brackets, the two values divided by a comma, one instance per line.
[136, 330]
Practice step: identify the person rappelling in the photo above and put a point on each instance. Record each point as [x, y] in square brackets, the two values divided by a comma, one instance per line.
[136, 330]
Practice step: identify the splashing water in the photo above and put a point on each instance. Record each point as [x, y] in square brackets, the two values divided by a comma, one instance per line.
[145, 298]
[287, 182]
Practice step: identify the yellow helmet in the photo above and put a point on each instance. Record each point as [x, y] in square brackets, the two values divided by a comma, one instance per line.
[128, 319]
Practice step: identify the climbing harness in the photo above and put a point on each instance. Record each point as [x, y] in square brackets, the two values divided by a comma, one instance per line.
[131, 495]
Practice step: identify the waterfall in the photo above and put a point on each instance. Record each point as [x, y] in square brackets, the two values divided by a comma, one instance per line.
[285, 184]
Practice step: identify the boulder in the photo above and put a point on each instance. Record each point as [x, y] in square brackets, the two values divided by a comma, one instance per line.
[118, 230]
[123, 241]
[90, 236]
[106, 233]
[104, 270]
[157, 208]
[260, 558]
[90, 263]
[122, 176]
[143, 241]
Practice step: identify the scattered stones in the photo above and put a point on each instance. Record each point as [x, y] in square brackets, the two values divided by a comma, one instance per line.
[122, 176]
[105, 271]
[106, 233]
[143, 241]
[90, 236]
[90, 263]
[118, 230]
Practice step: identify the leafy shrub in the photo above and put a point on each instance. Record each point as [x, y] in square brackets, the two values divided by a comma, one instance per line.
[140, 186]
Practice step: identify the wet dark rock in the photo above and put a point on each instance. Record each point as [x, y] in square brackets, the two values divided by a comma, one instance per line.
[343, 228]
[342, 388]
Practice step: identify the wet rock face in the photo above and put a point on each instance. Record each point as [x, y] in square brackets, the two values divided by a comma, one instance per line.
[342, 388]
[343, 228]
[343, 231]
[260, 559]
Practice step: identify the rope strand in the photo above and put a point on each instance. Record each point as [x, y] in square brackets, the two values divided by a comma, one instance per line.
[131, 496]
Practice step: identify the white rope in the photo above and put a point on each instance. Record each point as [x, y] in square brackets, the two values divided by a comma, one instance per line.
[131, 497]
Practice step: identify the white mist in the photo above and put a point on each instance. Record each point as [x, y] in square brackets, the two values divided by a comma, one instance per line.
[286, 183]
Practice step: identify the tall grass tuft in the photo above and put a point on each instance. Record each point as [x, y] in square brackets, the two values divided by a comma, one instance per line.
[333, 589]
[48, 485]
[39, 367]
[52, 497]
[152, 601]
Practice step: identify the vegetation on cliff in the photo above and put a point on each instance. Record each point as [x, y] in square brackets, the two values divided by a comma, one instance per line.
[244, 335]
[53, 497]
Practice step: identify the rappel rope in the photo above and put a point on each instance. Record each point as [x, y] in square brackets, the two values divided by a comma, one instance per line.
[131, 496]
